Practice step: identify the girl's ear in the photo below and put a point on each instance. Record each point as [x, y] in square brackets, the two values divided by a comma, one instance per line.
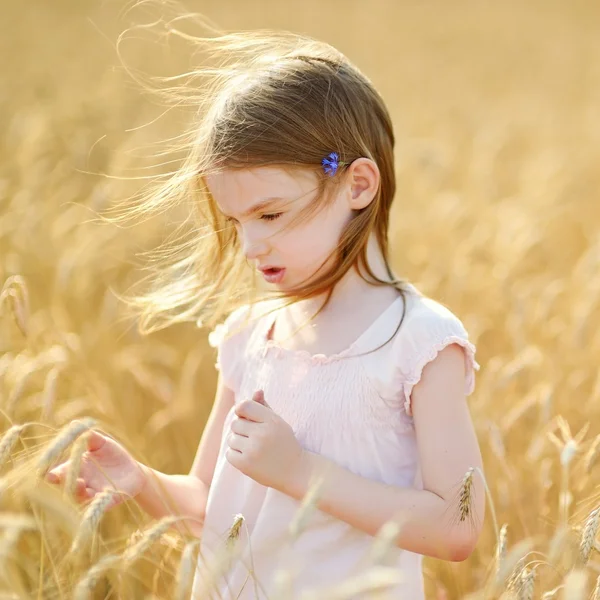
[363, 176]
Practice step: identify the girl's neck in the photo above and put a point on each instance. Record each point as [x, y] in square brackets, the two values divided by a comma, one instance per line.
[352, 289]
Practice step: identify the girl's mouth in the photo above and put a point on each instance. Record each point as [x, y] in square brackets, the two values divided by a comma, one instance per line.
[274, 275]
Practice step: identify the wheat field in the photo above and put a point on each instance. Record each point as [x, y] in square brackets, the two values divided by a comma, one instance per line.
[497, 215]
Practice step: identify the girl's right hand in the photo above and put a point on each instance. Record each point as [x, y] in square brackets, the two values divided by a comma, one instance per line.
[104, 465]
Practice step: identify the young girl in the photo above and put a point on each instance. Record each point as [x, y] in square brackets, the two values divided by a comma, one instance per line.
[343, 372]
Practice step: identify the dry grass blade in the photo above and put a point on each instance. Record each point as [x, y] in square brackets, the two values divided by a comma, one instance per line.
[596, 592]
[62, 441]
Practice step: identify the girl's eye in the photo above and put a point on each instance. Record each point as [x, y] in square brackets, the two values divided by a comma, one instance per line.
[271, 217]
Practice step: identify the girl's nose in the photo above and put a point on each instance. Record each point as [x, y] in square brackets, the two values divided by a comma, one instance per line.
[254, 247]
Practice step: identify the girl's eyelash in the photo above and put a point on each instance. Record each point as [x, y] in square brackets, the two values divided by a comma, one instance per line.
[267, 217]
[271, 217]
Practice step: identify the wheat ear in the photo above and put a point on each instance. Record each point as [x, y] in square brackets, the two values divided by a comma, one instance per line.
[77, 452]
[85, 586]
[65, 437]
[91, 518]
[526, 584]
[9, 439]
[588, 536]
[466, 495]
[149, 536]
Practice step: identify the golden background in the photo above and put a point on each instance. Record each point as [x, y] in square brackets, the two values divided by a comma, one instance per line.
[497, 215]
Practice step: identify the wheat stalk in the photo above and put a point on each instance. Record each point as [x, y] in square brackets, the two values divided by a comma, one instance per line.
[77, 451]
[596, 592]
[49, 392]
[384, 540]
[575, 584]
[588, 536]
[9, 439]
[85, 586]
[501, 547]
[65, 437]
[234, 531]
[186, 566]
[15, 292]
[375, 579]
[91, 518]
[466, 498]
[591, 455]
[526, 584]
[149, 536]
[309, 503]
[14, 524]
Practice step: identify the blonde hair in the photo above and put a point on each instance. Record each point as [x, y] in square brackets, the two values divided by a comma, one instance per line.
[263, 98]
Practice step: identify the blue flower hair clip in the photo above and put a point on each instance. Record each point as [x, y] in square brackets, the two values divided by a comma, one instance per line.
[331, 164]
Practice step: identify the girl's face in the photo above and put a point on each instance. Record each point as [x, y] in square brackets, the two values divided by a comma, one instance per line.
[264, 203]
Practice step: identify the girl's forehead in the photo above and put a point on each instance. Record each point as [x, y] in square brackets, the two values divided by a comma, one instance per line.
[235, 188]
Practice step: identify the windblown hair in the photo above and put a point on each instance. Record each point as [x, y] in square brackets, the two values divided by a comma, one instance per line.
[265, 98]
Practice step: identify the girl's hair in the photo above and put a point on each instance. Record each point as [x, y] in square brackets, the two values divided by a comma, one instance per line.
[264, 98]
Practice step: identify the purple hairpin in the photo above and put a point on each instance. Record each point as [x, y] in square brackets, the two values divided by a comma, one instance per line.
[331, 164]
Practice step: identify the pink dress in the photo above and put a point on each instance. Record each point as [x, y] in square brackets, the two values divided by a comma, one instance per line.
[356, 411]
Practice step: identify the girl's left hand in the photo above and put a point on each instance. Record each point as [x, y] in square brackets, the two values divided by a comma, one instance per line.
[262, 445]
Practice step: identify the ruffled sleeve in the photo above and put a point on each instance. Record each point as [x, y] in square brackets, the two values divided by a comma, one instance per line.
[229, 338]
[427, 332]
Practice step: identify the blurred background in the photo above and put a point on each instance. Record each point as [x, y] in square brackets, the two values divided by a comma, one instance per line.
[497, 215]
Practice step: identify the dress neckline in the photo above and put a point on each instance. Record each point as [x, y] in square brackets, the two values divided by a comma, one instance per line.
[319, 358]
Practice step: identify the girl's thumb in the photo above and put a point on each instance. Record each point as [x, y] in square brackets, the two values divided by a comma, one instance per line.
[95, 440]
[259, 396]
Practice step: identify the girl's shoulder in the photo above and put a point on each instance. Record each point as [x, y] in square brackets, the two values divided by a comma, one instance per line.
[231, 337]
[240, 322]
[428, 327]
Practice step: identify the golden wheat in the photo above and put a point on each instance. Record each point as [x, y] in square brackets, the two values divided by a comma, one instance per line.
[526, 584]
[186, 568]
[498, 216]
[85, 586]
[466, 497]
[91, 519]
[62, 441]
[148, 537]
[588, 536]
[77, 451]
[9, 439]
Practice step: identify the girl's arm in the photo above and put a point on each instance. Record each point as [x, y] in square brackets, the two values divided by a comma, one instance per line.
[187, 494]
[430, 518]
